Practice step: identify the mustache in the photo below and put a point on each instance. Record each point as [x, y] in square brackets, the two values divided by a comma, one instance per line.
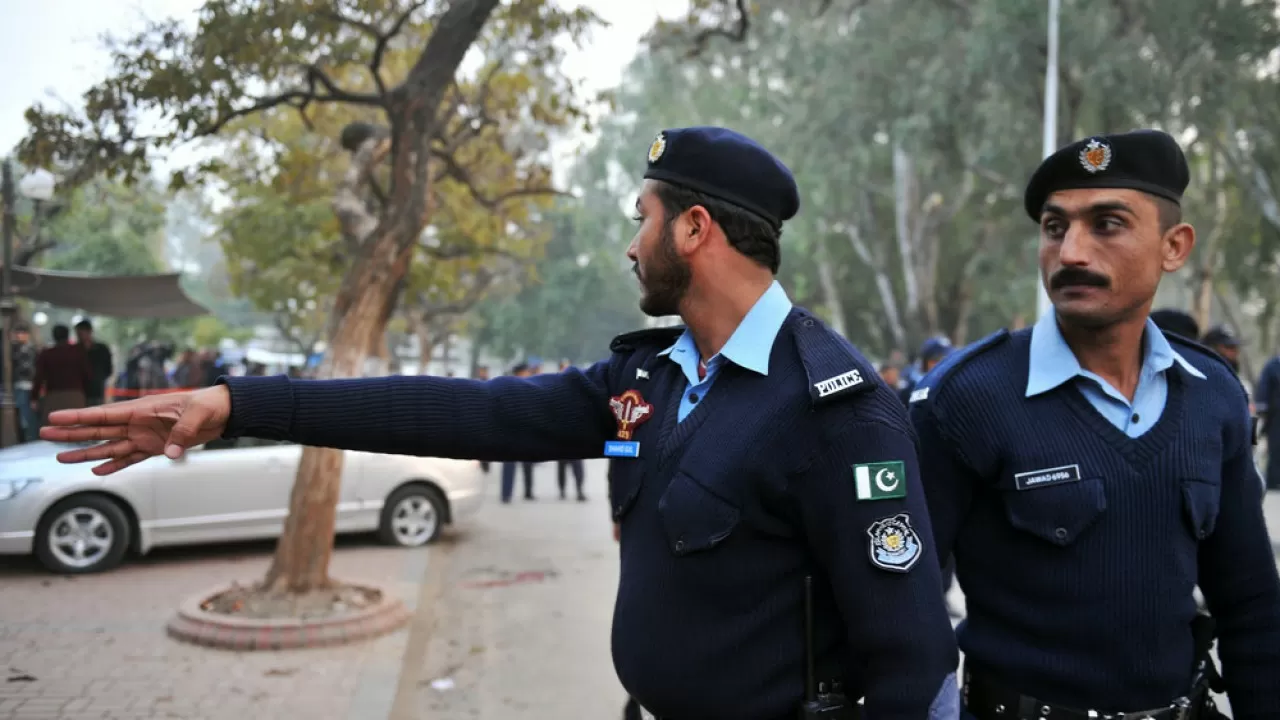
[1077, 276]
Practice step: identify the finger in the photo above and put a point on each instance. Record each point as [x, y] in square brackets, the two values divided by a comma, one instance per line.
[183, 434]
[86, 433]
[113, 414]
[119, 464]
[105, 451]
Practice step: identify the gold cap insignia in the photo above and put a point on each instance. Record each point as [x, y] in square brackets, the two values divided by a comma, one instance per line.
[1096, 156]
[658, 147]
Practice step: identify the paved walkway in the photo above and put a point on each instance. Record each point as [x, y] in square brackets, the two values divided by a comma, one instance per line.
[95, 647]
[521, 630]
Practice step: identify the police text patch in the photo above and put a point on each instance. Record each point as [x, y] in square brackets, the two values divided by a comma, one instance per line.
[831, 386]
[1049, 476]
[880, 480]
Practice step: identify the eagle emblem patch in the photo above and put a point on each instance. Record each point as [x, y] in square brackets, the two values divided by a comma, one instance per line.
[1095, 157]
[658, 147]
[895, 546]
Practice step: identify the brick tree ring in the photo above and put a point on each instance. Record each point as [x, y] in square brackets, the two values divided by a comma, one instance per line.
[196, 622]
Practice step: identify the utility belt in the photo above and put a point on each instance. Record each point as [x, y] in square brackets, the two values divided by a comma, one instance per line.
[987, 700]
[825, 706]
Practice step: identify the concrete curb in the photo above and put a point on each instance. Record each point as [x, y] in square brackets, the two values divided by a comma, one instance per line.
[194, 625]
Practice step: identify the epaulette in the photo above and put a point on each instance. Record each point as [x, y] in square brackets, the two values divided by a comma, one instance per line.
[1176, 339]
[939, 374]
[834, 368]
[629, 341]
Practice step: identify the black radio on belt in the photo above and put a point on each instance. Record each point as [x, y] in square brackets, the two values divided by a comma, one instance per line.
[821, 701]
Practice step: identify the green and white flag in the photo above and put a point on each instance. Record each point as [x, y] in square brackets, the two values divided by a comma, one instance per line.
[880, 480]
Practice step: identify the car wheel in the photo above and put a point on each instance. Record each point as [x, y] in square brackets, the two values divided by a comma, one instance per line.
[412, 516]
[84, 534]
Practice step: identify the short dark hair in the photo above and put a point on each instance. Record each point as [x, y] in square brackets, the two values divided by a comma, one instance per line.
[747, 232]
[84, 325]
[61, 333]
[1177, 322]
[1169, 213]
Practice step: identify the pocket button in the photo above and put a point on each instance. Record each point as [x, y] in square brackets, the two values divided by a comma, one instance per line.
[1061, 533]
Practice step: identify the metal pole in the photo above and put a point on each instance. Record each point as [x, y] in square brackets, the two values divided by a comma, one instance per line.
[1050, 122]
[9, 308]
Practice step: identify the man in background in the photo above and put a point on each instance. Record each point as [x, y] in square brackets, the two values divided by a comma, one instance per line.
[575, 466]
[24, 373]
[522, 370]
[100, 366]
[62, 375]
[1171, 320]
[1266, 402]
[1221, 340]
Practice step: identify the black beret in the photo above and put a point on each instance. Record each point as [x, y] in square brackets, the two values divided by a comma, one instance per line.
[1146, 160]
[728, 166]
[1220, 336]
[1175, 321]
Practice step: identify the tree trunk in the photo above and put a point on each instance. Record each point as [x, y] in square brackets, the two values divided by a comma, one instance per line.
[370, 288]
[301, 562]
[830, 290]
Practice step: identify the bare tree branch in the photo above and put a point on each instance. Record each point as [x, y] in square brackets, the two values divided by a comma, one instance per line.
[382, 39]
[297, 99]
[736, 33]
[454, 169]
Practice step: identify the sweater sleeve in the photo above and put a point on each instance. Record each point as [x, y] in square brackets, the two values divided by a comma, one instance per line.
[948, 481]
[1240, 584]
[545, 417]
[864, 513]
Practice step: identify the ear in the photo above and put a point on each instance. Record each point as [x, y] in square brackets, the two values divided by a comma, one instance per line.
[695, 229]
[1176, 247]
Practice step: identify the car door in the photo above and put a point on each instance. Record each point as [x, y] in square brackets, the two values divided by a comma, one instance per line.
[226, 490]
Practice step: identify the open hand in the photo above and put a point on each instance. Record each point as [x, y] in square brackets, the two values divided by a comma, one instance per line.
[130, 432]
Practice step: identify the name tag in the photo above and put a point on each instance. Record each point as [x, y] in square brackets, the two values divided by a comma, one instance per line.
[621, 448]
[1049, 476]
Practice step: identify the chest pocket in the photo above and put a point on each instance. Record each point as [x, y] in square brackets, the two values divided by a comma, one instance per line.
[1060, 513]
[1201, 499]
[694, 518]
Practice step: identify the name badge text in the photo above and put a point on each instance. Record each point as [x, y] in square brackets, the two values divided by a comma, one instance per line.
[621, 448]
[1049, 476]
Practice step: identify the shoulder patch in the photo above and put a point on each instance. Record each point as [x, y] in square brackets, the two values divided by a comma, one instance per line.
[930, 385]
[663, 337]
[834, 368]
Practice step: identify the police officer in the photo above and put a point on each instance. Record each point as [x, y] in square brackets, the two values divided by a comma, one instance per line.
[1267, 402]
[933, 351]
[751, 450]
[1179, 322]
[1221, 340]
[1090, 471]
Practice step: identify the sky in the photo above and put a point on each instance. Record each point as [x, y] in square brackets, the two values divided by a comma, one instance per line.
[52, 51]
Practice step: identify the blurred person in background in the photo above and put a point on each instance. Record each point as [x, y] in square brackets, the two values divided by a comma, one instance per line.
[62, 375]
[521, 370]
[186, 374]
[1221, 340]
[24, 374]
[1175, 321]
[574, 465]
[100, 365]
[1266, 402]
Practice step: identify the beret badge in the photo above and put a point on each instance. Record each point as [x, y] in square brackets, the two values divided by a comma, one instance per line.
[1095, 157]
[658, 147]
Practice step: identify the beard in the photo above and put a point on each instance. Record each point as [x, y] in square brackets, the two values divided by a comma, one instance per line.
[666, 278]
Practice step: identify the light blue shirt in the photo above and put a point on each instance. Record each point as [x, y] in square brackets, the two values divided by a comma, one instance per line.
[1053, 364]
[748, 347]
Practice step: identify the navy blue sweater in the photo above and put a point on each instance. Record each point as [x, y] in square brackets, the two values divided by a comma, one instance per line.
[722, 514]
[1078, 548]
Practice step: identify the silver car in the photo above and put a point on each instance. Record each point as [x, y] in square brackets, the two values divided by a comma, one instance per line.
[76, 522]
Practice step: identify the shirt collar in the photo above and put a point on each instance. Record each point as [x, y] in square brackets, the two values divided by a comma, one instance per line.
[751, 343]
[1052, 363]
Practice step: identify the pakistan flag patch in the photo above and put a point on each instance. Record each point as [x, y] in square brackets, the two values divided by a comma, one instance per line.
[880, 480]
